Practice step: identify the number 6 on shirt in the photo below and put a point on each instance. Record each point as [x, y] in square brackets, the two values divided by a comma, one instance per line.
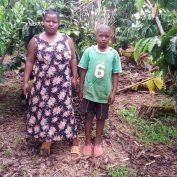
[99, 70]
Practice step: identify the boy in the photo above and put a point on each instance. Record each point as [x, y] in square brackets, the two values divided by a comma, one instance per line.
[100, 66]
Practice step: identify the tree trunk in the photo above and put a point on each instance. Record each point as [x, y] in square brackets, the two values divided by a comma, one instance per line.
[159, 25]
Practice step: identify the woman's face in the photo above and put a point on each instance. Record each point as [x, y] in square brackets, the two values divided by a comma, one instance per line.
[51, 23]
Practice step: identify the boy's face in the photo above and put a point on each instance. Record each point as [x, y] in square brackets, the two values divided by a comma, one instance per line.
[103, 37]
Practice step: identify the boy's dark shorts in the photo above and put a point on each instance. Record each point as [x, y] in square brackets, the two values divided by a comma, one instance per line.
[98, 109]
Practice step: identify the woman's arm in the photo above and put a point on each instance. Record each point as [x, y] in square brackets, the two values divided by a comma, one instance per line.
[73, 62]
[73, 58]
[29, 65]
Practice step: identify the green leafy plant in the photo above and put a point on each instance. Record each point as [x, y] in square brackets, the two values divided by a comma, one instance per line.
[8, 152]
[156, 132]
[149, 131]
[106, 130]
[121, 171]
[164, 53]
[161, 46]
[130, 115]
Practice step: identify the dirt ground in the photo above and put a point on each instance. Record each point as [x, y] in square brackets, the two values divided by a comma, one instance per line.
[20, 158]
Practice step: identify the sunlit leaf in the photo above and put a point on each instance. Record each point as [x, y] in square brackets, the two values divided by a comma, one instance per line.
[150, 85]
[158, 82]
[137, 50]
[139, 4]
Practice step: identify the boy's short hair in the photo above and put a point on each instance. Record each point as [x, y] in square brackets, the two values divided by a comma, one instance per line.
[99, 26]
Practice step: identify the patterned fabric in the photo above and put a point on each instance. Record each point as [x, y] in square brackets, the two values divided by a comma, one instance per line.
[51, 115]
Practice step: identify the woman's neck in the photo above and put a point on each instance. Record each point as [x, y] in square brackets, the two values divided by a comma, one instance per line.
[50, 34]
[49, 37]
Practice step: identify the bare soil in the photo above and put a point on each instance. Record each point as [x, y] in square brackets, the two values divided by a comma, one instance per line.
[20, 157]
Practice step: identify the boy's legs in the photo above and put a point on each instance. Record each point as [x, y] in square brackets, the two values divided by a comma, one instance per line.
[98, 150]
[99, 130]
[87, 149]
[88, 108]
[101, 111]
[88, 127]
[101, 116]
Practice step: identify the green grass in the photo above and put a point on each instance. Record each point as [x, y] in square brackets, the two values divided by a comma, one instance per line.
[8, 152]
[167, 102]
[105, 130]
[121, 171]
[157, 130]
[18, 139]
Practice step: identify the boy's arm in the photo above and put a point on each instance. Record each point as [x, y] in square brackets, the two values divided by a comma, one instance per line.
[81, 82]
[115, 79]
[73, 62]
[29, 65]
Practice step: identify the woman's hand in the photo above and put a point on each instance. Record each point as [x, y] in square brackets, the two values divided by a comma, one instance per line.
[26, 88]
[80, 95]
[74, 82]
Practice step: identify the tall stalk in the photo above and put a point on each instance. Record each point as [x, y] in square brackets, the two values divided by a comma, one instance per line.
[157, 20]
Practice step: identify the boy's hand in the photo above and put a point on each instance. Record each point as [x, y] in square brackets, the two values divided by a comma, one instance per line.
[111, 98]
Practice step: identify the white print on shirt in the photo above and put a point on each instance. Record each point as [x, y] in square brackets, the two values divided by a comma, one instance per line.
[99, 71]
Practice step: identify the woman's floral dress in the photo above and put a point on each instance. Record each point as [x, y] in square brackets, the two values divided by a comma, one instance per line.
[51, 115]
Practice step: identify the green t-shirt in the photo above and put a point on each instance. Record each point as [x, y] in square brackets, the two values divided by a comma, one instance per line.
[98, 79]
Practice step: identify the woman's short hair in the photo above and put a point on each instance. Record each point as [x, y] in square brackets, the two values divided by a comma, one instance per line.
[51, 11]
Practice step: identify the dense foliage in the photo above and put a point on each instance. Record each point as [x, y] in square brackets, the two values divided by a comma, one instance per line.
[22, 19]
[162, 47]
[149, 25]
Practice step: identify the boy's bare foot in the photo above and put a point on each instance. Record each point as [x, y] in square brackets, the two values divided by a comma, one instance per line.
[97, 150]
[45, 148]
[87, 150]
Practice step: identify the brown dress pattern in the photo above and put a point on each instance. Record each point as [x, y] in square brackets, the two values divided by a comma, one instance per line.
[51, 115]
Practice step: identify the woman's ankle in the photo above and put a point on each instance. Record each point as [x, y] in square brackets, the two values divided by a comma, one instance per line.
[75, 142]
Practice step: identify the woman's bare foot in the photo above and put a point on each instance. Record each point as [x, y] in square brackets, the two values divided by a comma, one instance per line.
[45, 148]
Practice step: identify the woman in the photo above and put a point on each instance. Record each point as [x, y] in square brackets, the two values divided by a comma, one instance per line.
[51, 115]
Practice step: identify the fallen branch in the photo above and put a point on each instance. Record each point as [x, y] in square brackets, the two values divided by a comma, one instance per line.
[147, 164]
[124, 134]
[133, 85]
[151, 83]
[154, 110]
[112, 146]
[137, 144]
